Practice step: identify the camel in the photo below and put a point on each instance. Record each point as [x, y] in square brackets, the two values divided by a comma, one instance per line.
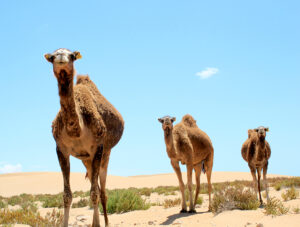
[186, 143]
[87, 127]
[256, 152]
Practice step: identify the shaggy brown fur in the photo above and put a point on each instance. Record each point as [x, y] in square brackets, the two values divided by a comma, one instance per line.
[185, 142]
[86, 127]
[256, 152]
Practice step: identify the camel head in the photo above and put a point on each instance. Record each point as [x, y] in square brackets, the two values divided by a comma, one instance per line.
[261, 132]
[62, 60]
[167, 123]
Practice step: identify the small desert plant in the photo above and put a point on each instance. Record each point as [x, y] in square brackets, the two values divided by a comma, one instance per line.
[3, 204]
[124, 200]
[52, 201]
[296, 210]
[14, 200]
[199, 200]
[166, 190]
[81, 203]
[290, 194]
[171, 202]
[30, 217]
[234, 198]
[275, 207]
[145, 191]
[27, 205]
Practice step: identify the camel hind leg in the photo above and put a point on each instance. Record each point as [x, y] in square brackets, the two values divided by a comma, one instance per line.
[265, 169]
[95, 186]
[208, 165]
[102, 178]
[197, 169]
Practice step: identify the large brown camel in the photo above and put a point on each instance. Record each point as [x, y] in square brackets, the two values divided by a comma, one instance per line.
[256, 152]
[185, 142]
[87, 127]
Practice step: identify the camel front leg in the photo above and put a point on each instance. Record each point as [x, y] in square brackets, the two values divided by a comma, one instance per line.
[64, 163]
[259, 188]
[189, 167]
[197, 169]
[177, 170]
[95, 186]
[253, 173]
[265, 169]
[208, 165]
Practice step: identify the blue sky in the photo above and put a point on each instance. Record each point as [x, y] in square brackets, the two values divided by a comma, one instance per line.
[148, 58]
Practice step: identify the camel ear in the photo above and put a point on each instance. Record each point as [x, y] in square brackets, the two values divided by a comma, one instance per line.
[173, 119]
[161, 120]
[256, 129]
[49, 57]
[267, 129]
[77, 55]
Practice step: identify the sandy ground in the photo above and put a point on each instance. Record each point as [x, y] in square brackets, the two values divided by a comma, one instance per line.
[13, 184]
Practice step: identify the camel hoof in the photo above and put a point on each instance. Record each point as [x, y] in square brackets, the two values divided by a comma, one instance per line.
[183, 211]
[192, 211]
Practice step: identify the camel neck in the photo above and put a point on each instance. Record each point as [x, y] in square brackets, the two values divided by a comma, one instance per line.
[169, 143]
[67, 102]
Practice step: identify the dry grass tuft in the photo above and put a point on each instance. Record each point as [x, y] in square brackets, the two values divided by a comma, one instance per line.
[290, 194]
[30, 217]
[171, 202]
[275, 207]
[234, 198]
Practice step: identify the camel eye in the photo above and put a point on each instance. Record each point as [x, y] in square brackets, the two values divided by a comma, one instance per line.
[72, 57]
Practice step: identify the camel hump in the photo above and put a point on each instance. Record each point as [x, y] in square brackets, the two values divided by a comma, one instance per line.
[83, 79]
[189, 121]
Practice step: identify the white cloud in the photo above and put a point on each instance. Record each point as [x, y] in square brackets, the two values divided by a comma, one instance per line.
[10, 168]
[208, 72]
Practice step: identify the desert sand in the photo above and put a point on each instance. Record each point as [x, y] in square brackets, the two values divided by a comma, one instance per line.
[51, 182]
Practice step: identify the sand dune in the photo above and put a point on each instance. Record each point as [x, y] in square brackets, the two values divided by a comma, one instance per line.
[52, 182]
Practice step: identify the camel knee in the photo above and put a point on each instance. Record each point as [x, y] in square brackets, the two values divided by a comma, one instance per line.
[95, 197]
[67, 199]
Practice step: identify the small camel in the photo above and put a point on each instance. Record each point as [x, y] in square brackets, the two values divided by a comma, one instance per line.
[87, 127]
[256, 152]
[185, 142]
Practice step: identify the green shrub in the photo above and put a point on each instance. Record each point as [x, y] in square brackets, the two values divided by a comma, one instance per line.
[296, 210]
[29, 206]
[199, 200]
[275, 207]
[234, 198]
[3, 204]
[290, 194]
[14, 200]
[81, 203]
[124, 200]
[52, 200]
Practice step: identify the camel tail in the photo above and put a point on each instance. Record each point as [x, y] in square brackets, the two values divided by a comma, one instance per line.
[203, 168]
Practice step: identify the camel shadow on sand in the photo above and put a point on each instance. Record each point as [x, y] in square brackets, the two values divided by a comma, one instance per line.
[172, 218]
